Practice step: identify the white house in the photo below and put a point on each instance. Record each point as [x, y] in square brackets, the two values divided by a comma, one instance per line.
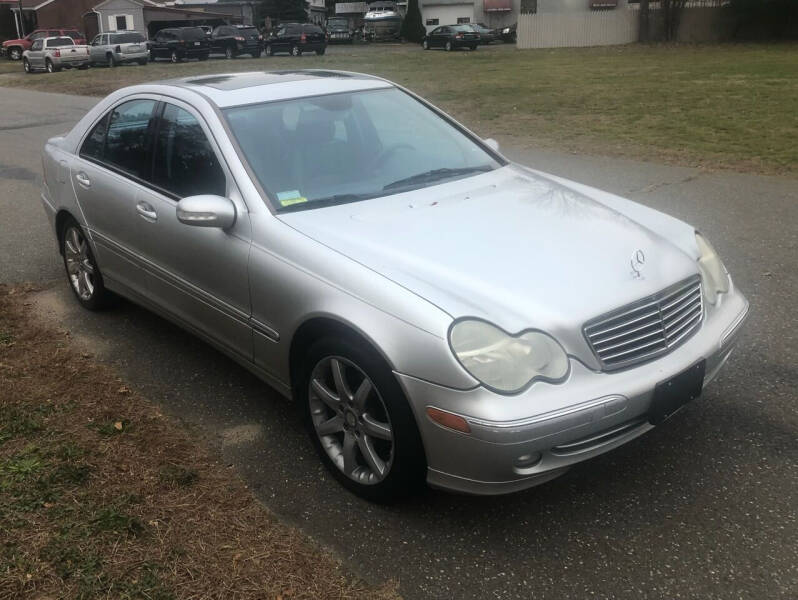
[492, 13]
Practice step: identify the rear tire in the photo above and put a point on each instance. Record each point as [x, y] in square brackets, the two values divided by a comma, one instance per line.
[50, 67]
[83, 274]
[229, 53]
[401, 457]
[295, 51]
[448, 47]
[174, 57]
[14, 53]
[425, 45]
[269, 50]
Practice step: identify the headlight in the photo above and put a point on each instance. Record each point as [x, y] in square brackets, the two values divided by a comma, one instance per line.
[713, 273]
[504, 362]
[506, 30]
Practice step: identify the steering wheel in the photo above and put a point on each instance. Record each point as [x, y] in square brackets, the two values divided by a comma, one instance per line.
[383, 156]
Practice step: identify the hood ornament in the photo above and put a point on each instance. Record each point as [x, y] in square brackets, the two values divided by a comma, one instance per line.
[638, 262]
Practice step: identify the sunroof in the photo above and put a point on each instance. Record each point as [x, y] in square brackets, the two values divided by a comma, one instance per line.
[237, 81]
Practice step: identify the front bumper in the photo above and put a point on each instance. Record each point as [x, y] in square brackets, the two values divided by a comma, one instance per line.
[520, 441]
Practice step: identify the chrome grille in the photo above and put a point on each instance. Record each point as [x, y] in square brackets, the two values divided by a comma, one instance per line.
[647, 328]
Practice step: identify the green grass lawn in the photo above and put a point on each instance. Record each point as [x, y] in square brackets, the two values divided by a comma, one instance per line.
[727, 106]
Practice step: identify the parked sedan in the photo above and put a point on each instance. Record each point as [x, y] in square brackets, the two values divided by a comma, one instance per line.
[451, 37]
[296, 39]
[114, 49]
[234, 40]
[180, 43]
[486, 34]
[438, 312]
[53, 54]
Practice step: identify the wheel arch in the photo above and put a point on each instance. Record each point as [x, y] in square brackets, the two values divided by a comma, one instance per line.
[316, 328]
[61, 218]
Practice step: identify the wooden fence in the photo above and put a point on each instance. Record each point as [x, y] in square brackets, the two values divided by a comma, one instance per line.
[588, 28]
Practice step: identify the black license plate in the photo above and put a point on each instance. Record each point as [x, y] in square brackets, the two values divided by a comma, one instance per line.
[671, 395]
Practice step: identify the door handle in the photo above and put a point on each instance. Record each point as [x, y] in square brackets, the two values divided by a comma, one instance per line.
[83, 179]
[146, 211]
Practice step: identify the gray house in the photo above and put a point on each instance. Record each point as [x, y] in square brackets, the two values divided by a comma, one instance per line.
[150, 16]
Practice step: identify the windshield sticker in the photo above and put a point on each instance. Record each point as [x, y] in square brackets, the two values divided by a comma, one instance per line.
[290, 197]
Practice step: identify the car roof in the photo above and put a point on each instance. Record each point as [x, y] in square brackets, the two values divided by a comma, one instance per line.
[235, 89]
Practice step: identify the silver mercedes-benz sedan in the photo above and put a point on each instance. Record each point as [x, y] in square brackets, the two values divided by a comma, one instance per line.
[438, 312]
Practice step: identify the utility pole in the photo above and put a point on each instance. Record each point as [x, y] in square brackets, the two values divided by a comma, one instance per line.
[21, 20]
[644, 20]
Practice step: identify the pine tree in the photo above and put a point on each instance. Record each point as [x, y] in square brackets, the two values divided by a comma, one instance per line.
[413, 29]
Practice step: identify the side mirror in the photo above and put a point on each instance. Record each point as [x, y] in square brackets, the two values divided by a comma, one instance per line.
[492, 144]
[207, 211]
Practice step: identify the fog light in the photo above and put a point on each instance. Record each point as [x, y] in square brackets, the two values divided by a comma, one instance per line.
[448, 420]
[527, 460]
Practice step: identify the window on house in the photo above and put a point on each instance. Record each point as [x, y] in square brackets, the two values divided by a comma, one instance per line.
[121, 22]
[461, 20]
[432, 22]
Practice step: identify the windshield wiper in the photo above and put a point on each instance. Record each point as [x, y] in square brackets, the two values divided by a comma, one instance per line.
[435, 175]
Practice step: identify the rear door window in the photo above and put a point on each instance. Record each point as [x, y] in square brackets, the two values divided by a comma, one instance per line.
[127, 140]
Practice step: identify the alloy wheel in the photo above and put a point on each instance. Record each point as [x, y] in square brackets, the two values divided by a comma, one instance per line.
[353, 426]
[50, 67]
[228, 52]
[448, 46]
[295, 51]
[15, 53]
[78, 263]
[175, 58]
[26, 65]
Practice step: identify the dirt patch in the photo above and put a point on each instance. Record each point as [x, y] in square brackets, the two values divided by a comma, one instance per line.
[101, 495]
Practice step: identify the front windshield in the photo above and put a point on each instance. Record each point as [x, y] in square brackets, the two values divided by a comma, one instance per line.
[322, 150]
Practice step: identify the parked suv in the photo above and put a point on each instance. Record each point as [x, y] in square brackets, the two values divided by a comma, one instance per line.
[232, 40]
[14, 48]
[52, 54]
[118, 48]
[296, 38]
[179, 43]
[339, 30]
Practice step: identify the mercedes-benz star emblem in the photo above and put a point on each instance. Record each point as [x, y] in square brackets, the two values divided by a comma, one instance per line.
[638, 262]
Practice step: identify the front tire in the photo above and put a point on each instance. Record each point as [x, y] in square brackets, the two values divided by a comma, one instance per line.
[359, 419]
[83, 274]
[15, 53]
[174, 57]
[257, 53]
[270, 50]
[448, 47]
[425, 45]
[110, 60]
[26, 66]
[295, 51]
[229, 53]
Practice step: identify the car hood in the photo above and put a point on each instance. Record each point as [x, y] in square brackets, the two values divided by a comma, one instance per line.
[515, 247]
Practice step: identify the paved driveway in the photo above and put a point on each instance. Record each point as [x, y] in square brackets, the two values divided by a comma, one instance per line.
[702, 507]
